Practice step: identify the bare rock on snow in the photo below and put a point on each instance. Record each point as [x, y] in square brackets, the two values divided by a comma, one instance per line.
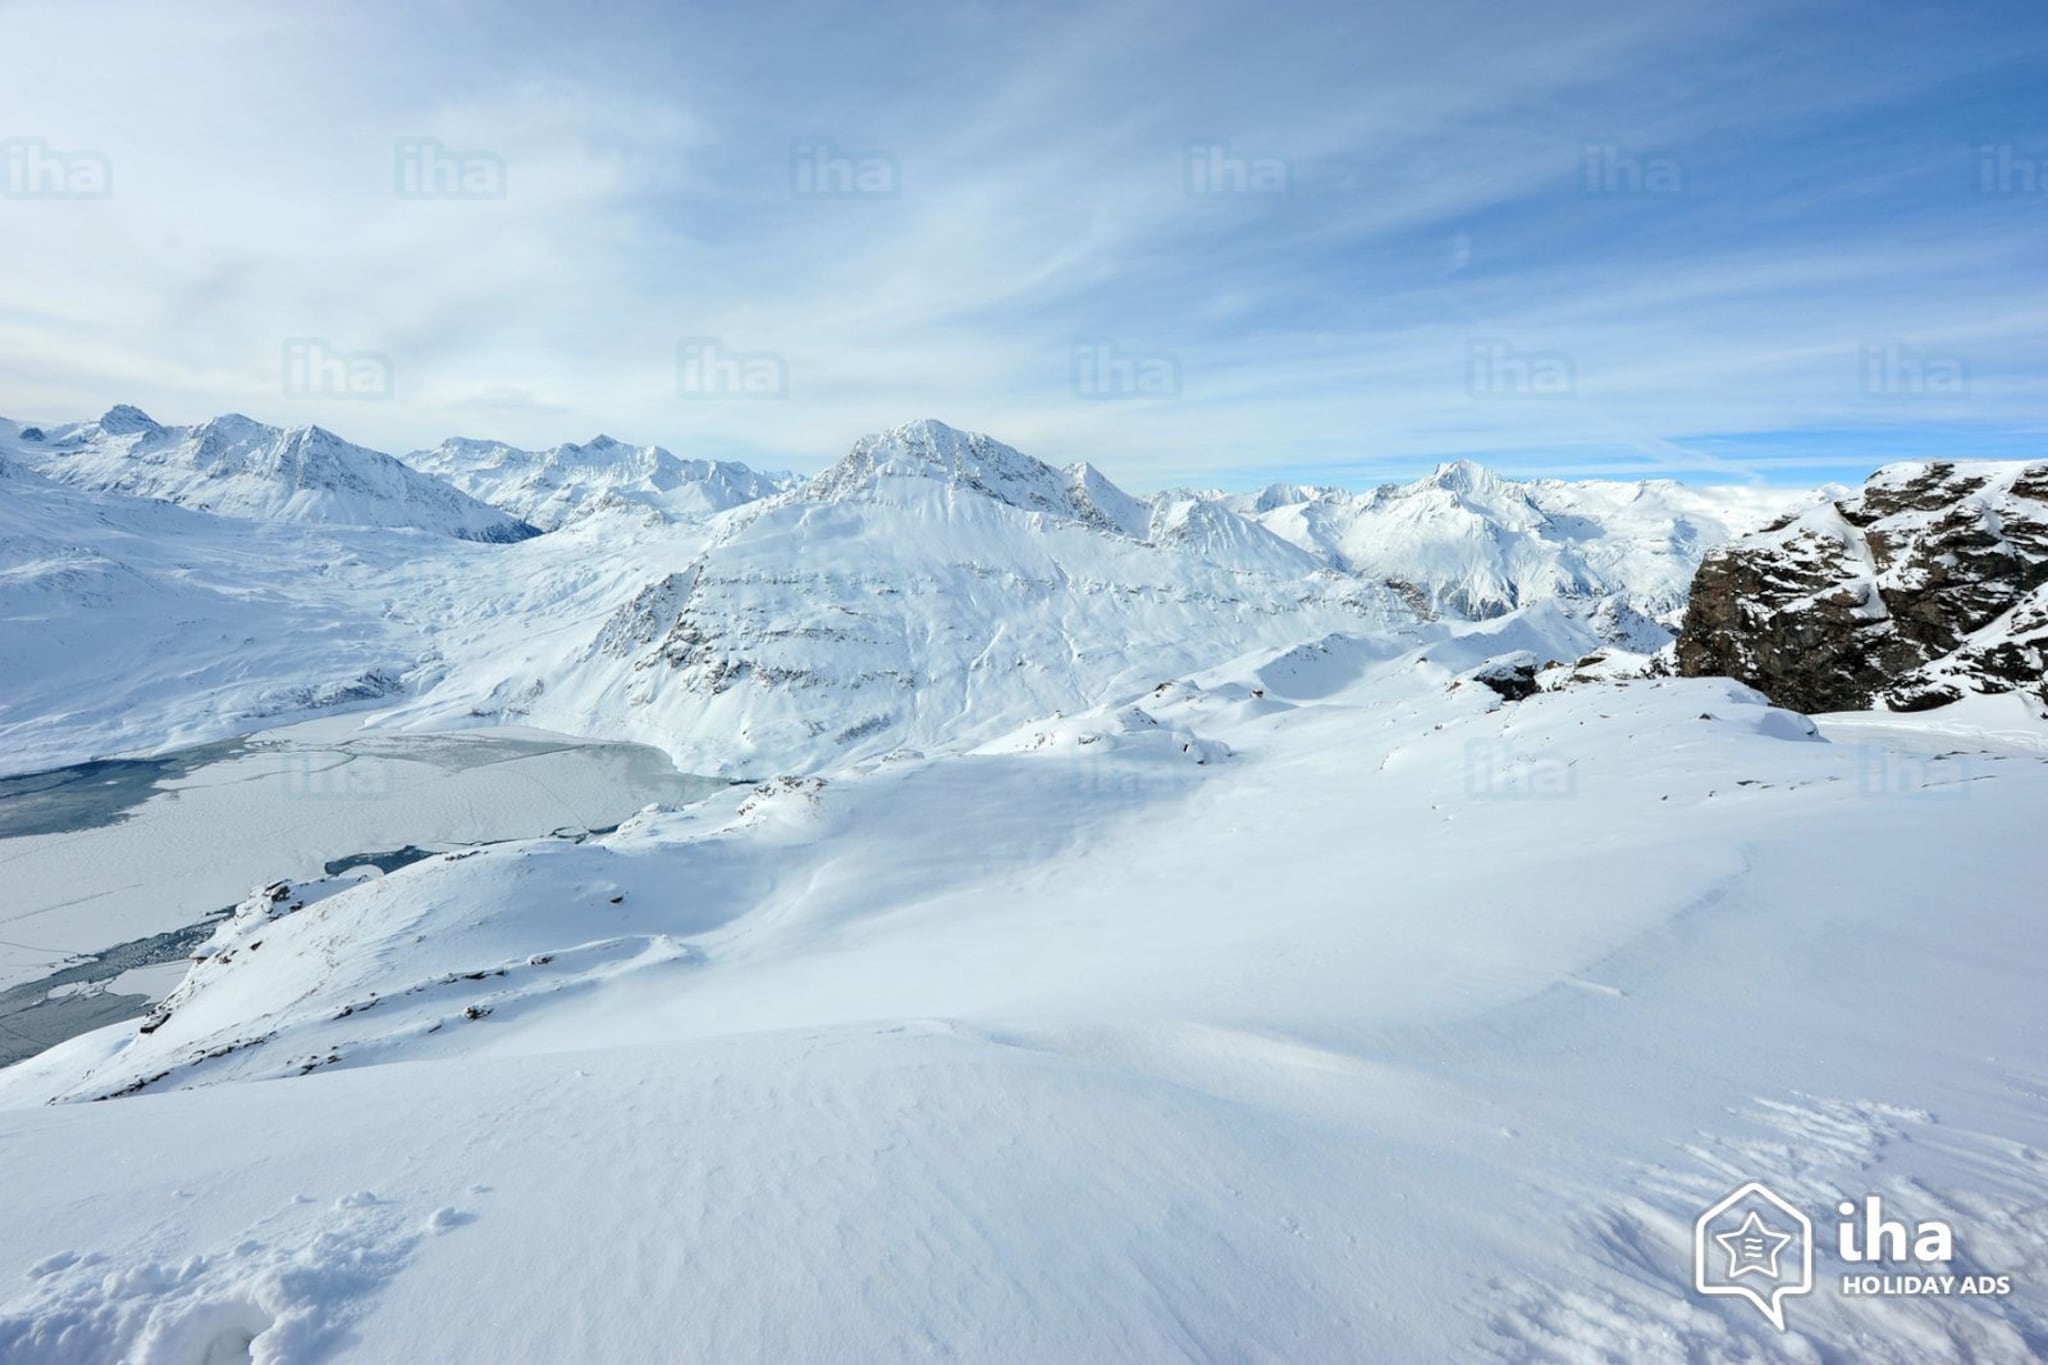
[1930, 583]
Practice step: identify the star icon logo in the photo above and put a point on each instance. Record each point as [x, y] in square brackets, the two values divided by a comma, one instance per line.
[1757, 1260]
[1753, 1248]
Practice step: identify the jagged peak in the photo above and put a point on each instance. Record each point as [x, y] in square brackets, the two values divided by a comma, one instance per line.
[125, 419]
[1275, 495]
[314, 438]
[235, 427]
[934, 441]
[931, 429]
[476, 443]
[1465, 476]
[928, 445]
[930, 449]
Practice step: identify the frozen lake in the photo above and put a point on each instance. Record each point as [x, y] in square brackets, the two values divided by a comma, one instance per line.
[106, 867]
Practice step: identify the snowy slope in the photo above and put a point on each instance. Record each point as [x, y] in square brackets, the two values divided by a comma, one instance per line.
[127, 623]
[1474, 544]
[933, 588]
[132, 625]
[549, 487]
[235, 467]
[1330, 1047]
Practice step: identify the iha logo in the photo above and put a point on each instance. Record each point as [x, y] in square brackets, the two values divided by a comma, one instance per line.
[36, 170]
[1214, 170]
[1102, 369]
[1885, 1239]
[1907, 1260]
[1758, 1246]
[818, 169]
[312, 368]
[428, 168]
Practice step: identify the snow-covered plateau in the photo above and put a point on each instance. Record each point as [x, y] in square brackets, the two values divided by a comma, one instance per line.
[1298, 926]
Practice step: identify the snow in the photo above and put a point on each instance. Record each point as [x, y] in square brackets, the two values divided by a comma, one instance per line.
[1196, 960]
[131, 625]
[127, 625]
[240, 468]
[1475, 544]
[286, 803]
[983, 1054]
[934, 589]
[549, 488]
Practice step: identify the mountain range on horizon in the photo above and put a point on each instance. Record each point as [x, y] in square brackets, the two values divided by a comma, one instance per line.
[236, 466]
[740, 619]
[724, 573]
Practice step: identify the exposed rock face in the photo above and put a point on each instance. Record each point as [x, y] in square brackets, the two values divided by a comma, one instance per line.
[1929, 583]
[1511, 677]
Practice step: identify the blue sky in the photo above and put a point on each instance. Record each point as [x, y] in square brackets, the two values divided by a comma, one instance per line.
[1193, 243]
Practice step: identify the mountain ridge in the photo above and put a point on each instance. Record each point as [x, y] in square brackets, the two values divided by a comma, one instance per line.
[234, 466]
[553, 486]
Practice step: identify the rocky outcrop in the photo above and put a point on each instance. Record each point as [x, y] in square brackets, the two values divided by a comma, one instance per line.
[1928, 584]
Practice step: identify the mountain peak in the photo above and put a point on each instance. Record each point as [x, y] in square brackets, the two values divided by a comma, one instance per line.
[235, 466]
[928, 447]
[234, 425]
[314, 437]
[549, 488]
[930, 441]
[930, 450]
[1276, 495]
[123, 419]
[1465, 476]
[932, 429]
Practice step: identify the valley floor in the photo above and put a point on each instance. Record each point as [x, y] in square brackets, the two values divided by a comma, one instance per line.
[1321, 1007]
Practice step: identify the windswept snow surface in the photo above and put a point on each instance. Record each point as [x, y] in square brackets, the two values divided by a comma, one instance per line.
[1317, 1006]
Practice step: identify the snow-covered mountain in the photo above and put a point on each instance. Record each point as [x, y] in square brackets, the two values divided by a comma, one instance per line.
[933, 587]
[130, 623]
[1470, 543]
[233, 466]
[547, 488]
